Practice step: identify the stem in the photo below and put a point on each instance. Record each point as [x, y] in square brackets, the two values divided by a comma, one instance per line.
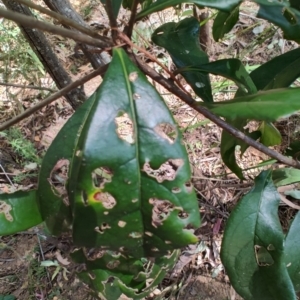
[112, 19]
[62, 19]
[27, 86]
[45, 26]
[128, 29]
[53, 97]
[170, 86]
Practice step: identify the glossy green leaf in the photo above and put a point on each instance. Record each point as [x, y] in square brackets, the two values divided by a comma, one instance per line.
[293, 193]
[270, 136]
[7, 297]
[224, 22]
[252, 248]
[231, 68]
[224, 5]
[264, 106]
[285, 176]
[279, 72]
[116, 5]
[282, 14]
[291, 252]
[128, 182]
[130, 279]
[181, 40]
[18, 212]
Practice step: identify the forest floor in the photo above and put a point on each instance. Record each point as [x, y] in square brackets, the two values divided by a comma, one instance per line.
[199, 273]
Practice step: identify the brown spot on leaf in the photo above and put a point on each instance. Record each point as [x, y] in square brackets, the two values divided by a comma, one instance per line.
[183, 215]
[166, 131]
[112, 264]
[5, 209]
[133, 76]
[167, 171]
[121, 224]
[102, 228]
[135, 235]
[125, 128]
[107, 200]
[148, 233]
[58, 179]
[160, 211]
[176, 190]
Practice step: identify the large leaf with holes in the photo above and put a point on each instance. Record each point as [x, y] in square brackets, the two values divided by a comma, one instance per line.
[284, 14]
[231, 68]
[291, 252]
[18, 211]
[253, 245]
[128, 179]
[132, 277]
[224, 5]
[279, 72]
[224, 22]
[181, 40]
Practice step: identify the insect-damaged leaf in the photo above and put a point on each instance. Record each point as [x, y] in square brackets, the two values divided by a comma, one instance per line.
[253, 248]
[18, 211]
[127, 171]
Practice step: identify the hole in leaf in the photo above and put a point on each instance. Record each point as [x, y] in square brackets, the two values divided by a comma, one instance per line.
[160, 211]
[271, 247]
[183, 215]
[133, 76]
[84, 197]
[148, 233]
[112, 264]
[166, 131]
[92, 276]
[176, 190]
[135, 235]
[167, 171]
[121, 224]
[263, 257]
[107, 200]
[136, 96]
[95, 253]
[5, 208]
[188, 187]
[154, 249]
[58, 179]
[125, 129]
[106, 213]
[101, 176]
[102, 228]
[78, 153]
[110, 279]
[134, 200]
[168, 242]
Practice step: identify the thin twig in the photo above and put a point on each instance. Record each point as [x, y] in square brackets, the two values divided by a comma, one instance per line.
[112, 19]
[45, 26]
[27, 87]
[7, 177]
[53, 97]
[63, 19]
[170, 86]
[128, 29]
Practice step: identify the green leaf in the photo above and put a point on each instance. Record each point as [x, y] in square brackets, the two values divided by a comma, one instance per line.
[291, 252]
[270, 136]
[224, 5]
[231, 68]
[285, 176]
[18, 211]
[264, 106]
[282, 14]
[127, 173]
[252, 248]
[7, 297]
[224, 22]
[181, 40]
[293, 193]
[293, 149]
[116, 5]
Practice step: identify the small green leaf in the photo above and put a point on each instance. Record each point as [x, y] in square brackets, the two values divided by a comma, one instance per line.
[231, 68]
[291, 252]
[252, 247]
[285, 176]
[7, 297]
[224, 22]
[270, 136]
[264, 106]
[181, 40]
[283, 15]
[116, 4]
[224, 5]
[18, 211]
